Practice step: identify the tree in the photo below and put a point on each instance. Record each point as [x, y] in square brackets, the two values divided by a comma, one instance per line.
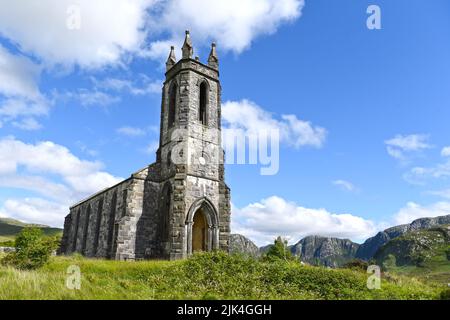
[33, 249]
[279, 251]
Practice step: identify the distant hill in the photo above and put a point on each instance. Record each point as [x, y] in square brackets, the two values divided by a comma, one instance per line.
[326, 251]
[334, 252]
[243, 245]
[422, 253]
[9, 228]
[368, 249]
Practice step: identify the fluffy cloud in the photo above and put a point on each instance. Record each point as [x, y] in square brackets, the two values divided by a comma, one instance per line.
[34, 210]
[20, 98]
[263, 221]
[233, 23]
[414, 211]
[51, 171]
[131, 131]
[48, 29]
[401, 145]
[420, 175]
[94, 34]
[445, 152]
[18, 76]
[245, 115]
[140, 85]
[441, 193]
[345, 185]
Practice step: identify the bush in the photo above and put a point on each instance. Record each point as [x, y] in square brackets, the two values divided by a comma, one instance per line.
[279, 251]
[357, 264]
[445, 294]
[33, 250]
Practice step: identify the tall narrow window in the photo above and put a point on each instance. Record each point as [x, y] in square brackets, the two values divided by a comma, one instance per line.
[203, 102]
[86, 230]
[172, 103]
[111, 222]
[98, 224]
[75, 233]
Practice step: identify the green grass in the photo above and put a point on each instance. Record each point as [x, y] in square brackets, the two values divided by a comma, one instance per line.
[205, 276]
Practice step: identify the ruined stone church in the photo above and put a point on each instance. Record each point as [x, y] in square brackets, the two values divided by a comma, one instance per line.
[180, 203]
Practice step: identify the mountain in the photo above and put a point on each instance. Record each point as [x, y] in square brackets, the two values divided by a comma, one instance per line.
[241, 244]
[368, 249]
[9, 228]
[330, 252]
[421, 253]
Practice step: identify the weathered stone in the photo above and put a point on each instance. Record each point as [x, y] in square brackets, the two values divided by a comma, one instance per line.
[152, 213]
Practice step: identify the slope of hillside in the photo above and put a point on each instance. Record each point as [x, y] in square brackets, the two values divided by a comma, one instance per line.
[368, 249]
[9, 228]
[326, 251]
[421, 253]
[243, 245]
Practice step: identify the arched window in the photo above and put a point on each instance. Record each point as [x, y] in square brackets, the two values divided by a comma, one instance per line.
[202, 113]
[172, 103]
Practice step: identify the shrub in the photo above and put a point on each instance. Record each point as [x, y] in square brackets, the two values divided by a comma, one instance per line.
[357, 264]
[390, 262]
[445, 294]
[279, 251]
[33, 250]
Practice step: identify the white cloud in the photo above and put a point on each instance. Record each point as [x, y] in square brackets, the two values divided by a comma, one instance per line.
[345, 185]
[107, 31]
[51, 171]
[420, 175]
[234, 24]
[27, 124]
[34, 210]
[263, 221]
[247, 116]
[19, 91]
[445, 152]
[401, 145]
[441, 193]
[18, 76]
[131, 131]
[88, 97]
[141, 85]
[414, 211]
[110, 32]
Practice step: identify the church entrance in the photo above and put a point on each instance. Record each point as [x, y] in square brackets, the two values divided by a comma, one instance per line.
[202, 228]
[199, 231]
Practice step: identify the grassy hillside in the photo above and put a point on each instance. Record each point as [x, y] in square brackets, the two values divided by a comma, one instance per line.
[9, 228]
[424, 254]
[205, 276]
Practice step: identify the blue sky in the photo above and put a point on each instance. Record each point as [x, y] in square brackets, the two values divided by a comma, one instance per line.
[79, 108]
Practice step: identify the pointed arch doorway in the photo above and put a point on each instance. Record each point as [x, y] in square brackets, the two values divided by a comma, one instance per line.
[199, 235]
[202, 227]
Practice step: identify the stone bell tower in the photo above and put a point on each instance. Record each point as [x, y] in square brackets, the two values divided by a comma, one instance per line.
[191, 157]
[179, 204]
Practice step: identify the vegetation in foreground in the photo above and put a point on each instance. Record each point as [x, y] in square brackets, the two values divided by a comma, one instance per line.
[204, 276]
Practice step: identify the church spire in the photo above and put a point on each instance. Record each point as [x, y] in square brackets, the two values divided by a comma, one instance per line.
[213, 60]
[171, 60]
[187, 48]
